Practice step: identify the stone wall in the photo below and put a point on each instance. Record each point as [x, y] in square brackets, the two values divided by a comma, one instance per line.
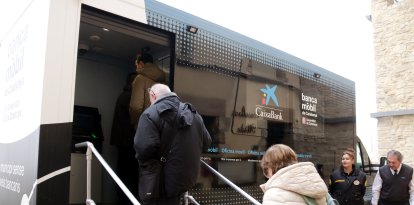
[397, 133]
[393, 23]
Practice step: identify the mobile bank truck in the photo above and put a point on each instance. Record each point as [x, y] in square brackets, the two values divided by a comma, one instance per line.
[64, 62]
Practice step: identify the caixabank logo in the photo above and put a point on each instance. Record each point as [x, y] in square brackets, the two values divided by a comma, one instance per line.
[268, 99]
[269, 93]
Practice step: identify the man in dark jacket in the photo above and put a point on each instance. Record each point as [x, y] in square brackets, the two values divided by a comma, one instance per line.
[122, 136]
[393, 184]
[188, 138]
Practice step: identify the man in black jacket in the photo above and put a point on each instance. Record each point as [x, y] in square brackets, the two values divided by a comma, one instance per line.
[188, 138]
[393, 184]
[122, 136]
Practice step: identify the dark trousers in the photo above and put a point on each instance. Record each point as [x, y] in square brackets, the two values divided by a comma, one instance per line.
[175, 200]
[128, 172]
[385, 202]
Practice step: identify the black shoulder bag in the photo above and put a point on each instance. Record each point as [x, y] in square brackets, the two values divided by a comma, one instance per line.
[151, 184]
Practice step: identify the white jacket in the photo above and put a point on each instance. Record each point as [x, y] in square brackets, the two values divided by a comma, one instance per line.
[289, 184]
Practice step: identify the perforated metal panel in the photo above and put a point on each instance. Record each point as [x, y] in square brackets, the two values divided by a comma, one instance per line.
[217, 49]
[226, 195]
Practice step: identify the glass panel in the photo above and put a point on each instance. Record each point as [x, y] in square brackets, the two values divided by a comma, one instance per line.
[359, 160]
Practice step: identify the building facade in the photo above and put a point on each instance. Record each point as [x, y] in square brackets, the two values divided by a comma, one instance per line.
[393, 23]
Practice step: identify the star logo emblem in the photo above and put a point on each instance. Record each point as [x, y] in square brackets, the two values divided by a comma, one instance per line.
[269, 93]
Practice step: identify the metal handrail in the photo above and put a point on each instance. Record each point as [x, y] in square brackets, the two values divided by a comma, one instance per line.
[91, 149]
[190, 198]
[234, 186]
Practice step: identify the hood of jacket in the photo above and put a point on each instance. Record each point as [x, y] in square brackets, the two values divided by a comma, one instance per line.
[301, 178]
[152, 72]
[185, 114]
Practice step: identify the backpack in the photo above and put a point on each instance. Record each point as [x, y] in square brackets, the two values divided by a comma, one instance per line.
[329, 200]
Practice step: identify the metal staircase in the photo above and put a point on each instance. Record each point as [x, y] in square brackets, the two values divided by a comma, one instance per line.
[90, 151]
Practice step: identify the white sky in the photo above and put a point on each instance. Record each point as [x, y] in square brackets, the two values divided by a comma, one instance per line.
[333, 34]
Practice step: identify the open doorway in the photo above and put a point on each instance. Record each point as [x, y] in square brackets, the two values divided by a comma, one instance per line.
[108, 45]
[278, 133]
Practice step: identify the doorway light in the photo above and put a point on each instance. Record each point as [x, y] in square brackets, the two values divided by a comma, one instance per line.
[316, 75]
[192, 29]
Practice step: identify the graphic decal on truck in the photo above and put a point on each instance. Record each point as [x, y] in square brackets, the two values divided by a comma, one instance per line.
[269, 93]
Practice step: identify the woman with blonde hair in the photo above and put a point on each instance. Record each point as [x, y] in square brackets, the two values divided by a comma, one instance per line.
[347, 184]
[290, 181]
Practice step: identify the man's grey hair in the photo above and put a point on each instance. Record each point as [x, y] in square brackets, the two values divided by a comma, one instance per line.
[395, 153]
[160, 89]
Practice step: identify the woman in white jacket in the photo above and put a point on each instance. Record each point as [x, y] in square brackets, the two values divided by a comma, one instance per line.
[289, 181]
